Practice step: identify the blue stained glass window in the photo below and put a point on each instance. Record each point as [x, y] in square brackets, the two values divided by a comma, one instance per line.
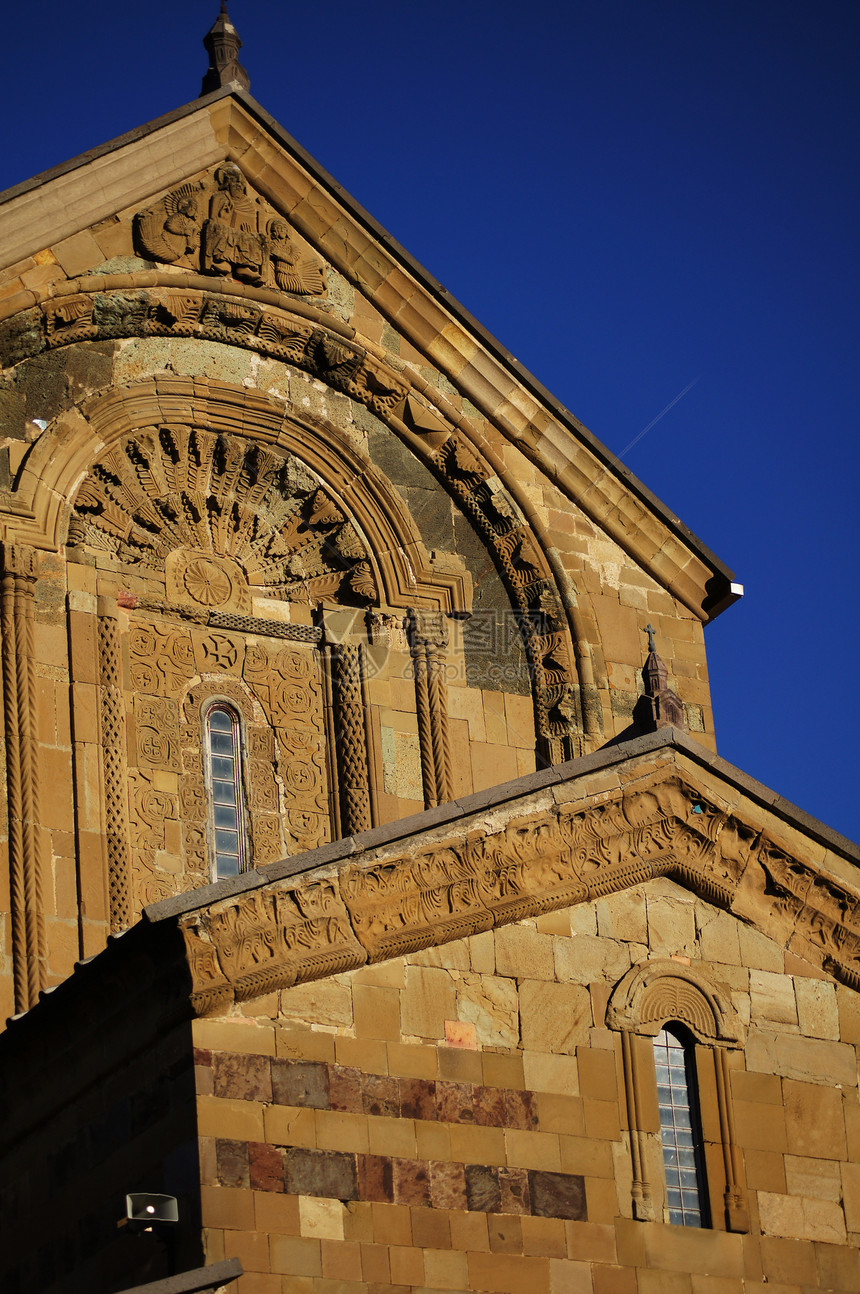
[680, 1130]
[224, 784]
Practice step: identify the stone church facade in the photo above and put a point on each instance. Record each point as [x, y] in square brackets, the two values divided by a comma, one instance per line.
[371, 883]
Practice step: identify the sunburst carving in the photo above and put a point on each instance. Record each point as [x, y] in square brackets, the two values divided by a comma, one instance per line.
[170, 488]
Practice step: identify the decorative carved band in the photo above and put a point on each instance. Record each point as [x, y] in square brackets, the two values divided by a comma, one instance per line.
[22, 777]
[350, 738]
[428, 635]
[115, 775]
[540, 863]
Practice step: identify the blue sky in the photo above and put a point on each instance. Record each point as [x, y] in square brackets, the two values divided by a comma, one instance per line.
[633, 197]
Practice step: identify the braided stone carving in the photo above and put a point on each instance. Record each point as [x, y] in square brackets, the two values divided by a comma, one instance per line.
[22, 777]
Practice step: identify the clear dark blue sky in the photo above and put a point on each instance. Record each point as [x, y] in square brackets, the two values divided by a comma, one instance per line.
[631, 196]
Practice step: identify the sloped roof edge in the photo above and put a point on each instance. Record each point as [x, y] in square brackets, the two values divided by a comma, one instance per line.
[721, 597]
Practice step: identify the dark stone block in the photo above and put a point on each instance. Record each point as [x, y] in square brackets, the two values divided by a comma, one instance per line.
[489, 1106]
[521, 1110]
[483, 1193]
[558, 1195]
[320, 1172]
[447, 1185]
[203, 1057]
[231, 1158]
[345, 1089]
[454, 1102]
[418, 1098]
[380, 1095]
[412, 1182]
[300, 1082]
[516, 1197]
[242, 1078]
[375, 1178]
[265, 1166]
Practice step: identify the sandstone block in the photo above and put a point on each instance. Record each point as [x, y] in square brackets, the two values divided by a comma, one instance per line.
[817, 1178]
[322, 1002]
[584, 959]
[492, 1006]
[295, 1255]
[377, 1013]
[671, 924]
[428, 1001]
[817, 1011]
[799, 1218]
[555, 1017]
[772, 997]
[814, 1120]
[568, 1277]
[623, 916]
[523, 952]
[322, 1218]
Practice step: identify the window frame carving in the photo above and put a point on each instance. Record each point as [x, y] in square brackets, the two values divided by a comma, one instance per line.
[650, 996]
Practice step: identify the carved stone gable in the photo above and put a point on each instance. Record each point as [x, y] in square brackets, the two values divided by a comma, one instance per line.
[219, 226]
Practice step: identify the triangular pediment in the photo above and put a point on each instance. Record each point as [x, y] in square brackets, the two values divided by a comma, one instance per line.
[664, 809]
[290, 252]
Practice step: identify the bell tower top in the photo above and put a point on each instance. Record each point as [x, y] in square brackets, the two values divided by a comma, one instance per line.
[222, 44]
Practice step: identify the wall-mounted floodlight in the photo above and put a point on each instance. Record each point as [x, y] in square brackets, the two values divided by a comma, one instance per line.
[145, 1211]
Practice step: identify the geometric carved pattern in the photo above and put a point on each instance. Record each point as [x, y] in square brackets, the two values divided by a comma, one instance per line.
[557, 858]
[168, 489]
[112, 741]
[350, 737]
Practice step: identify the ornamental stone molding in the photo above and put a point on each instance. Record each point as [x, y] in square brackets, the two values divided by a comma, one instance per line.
[477, 877]
[659, 991]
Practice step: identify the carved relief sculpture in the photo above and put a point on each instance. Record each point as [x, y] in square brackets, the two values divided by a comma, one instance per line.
[218, 227]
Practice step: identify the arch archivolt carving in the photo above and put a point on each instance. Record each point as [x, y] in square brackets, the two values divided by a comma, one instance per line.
[160, 304]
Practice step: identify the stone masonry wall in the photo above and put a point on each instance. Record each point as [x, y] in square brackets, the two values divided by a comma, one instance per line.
[455, 1119]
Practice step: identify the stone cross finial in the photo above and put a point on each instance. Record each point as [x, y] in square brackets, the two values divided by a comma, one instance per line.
[222, 44]
[650, 631]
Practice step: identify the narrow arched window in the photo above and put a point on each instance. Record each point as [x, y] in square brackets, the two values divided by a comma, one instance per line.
[224, 785]
[680, 1128]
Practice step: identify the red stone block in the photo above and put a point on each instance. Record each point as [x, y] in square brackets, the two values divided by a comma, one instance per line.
[242, 1078]
[266, 1166]
[412, 1182]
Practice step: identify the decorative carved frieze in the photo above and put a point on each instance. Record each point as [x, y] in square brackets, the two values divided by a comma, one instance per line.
[562, 857]
[219, 226]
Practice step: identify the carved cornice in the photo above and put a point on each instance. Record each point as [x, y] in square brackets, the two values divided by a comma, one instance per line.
[371, 910]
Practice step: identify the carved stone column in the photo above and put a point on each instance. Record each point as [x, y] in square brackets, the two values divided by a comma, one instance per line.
[22, 775]
[737, 1208]
[428, 638]
[114, 769]
[642, 1198]
[349, 735]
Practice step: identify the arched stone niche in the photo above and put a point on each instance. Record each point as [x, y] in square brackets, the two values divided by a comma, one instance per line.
[652, 994]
